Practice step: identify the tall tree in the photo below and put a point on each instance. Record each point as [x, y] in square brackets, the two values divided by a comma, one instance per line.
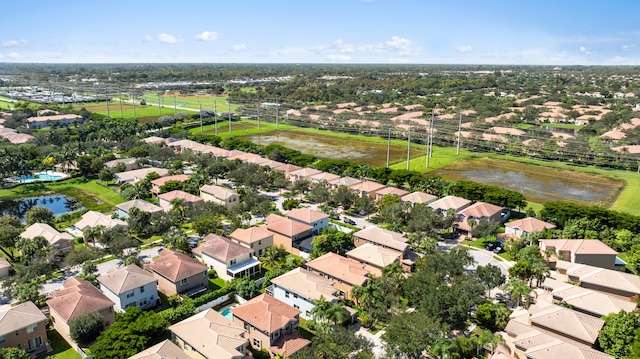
[409, 335]
[619, 333]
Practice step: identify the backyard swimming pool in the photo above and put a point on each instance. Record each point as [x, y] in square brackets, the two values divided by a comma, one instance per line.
[41, 176]
[226, 311]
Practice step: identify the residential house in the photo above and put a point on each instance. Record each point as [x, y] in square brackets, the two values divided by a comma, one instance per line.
[385, 238]
[129, 164]
[375, 257]
[58, 120]
[210, 335]
[287, 169]
[287, 232]
[75, 298]
[301, 289]
[323, 176]
[316, 219]
[157, 183]
[178, 273]
[572, 326]
[24, 326]
[418, 197]
[366, 188]
[584, 251]
[93, 219]
[270, 324]
[228, 258]
[303, 174]
[156, 140]
[613, 282]
[164, 349]
[448, 204]
[585, 300]
[165, 200]
[223, 196]
[527, 225]
[60, 241]
[130, 286]
[391, 190]
[345, 273]
[256, 238]
[472, 215]
[344, 181]
[122, 209]
[137, 175]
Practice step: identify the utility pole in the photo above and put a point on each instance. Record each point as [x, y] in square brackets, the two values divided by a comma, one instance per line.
[106, 99]
[200, 119]
[133, 101]
[229, 105]
[120, 92]
[215, 115]
[388, 146]
[174, 103]
[409, 148]
[431, 136]
[429, 140]
[159, 110]
[277, 105]
[459, 133]
[258, 110]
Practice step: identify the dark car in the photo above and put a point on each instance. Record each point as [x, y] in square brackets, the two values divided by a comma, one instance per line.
[499, 248]
[334, 216]
[491, 245]
[349, 221]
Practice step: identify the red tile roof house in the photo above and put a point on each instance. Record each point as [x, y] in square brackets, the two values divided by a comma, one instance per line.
[178, 273]
[271, 325]
[287, 169]
[78, 297]
[584, 251]
[344, 272]
[228, 258]
[24, 326]
[164, 349]
[140, 174]
[323, 176]
[449, 203]
[303, 174]
[527, 225]
[165, 199]
[344, 181]
[60, 241]
[418, 197]
[255, 238]
[316, 219]
[367, 188]
[287, 232]
[59, 120]
[220, 195]
[159, 182]
[477, 212]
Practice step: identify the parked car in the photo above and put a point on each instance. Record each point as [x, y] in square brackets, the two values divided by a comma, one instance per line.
[499, 248]
[334, 216]
[230, 185]
[491, 245]
[349, 221]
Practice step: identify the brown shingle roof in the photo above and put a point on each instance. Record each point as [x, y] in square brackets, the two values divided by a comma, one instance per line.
[266, 313]
[221, 248]
[20, 316]
[78, 297]
[337, 266]
[124, 279]
[176, 266]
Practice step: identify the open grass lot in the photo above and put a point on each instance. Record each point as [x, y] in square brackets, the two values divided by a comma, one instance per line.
[91, 195]
[193, 102]
[141, 112]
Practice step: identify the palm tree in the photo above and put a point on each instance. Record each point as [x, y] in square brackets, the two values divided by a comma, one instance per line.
[540, 270]
[446, 349]
[519, 290]
[365, 296]
[486, 339]
[273, 257]
[321, 310]
[179, 206]
[336, 313]
[29, 247]
[92, 234]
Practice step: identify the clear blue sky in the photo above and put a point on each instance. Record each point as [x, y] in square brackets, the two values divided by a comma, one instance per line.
[559, 32]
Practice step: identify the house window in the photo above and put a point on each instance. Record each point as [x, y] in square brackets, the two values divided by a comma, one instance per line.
[3, 339]
[295, 295]
[260, 253]
[256, 342]
[296, 306]
[32, 328]
[233, 261]
[286, 294]
[307, 313]
[130, 294]
[141, 289]
[184, 281]
[17, 333]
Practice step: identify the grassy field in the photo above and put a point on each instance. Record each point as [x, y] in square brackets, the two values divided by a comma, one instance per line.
[141, 112]
[193, 102]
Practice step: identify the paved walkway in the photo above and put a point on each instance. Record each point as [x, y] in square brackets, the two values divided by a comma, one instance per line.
[378, 343]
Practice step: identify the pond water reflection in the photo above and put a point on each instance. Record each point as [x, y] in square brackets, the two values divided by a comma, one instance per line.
[58, 204]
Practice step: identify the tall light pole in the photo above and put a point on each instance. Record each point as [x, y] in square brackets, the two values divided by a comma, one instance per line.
[120, 92]
[215, 115]
[258, 111]
[133, 101]
[229, 116]
[174, 103]
[388, 146]
[409, 148]
[200, 119]
[429, 140]
[277, 105]
[459, 133]
[106, 99]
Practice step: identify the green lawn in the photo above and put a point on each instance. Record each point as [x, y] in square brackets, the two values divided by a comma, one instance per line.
[217, 283]
[561, 125]
[218, 103]
[127, 110]
[61, 349]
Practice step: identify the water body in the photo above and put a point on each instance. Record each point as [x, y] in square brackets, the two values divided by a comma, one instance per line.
[58, 204]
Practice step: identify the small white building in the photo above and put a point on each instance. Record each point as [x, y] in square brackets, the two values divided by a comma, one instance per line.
[129, 286]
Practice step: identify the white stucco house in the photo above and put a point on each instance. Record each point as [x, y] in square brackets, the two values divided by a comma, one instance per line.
[129, 286]
[228, 258]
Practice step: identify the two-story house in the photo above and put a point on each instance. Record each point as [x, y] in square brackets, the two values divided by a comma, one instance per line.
[228, 258]
[75, 298]
[301, 289]
[584, 251]
[157, 183]
[220, 195]
[448, 204]
[418, 197]
[469, 216]
[166, 199]
[164, 349]
[317, 220]
[270, 324]
[366, 188]
[122, 209]
[303, 174]
[93, 219]
[345, 273]
[24, 326]
[60, 241]
[343, 181]
[526, 225]
[137, 175]
[178, 273]
[256, 238]
[130, 286]
[287, 232]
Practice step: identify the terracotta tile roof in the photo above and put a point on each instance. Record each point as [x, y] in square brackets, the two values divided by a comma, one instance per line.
[266, 313]
[339, 267]
[507, 131]
[221, 249]
[20, 316]
[154, 139]
[305, 172]
[93, 219]
[449, 202]
[481, 210]
[530, 224]
[251, 235]
[285, 226]
[306, 215]
[140, 204]
[383, 237]
[187, 197]
[579, 246]
[306, 284]
[288, 168]
[606, 279]
[374, 255]
[367, 186]
[116, 162]
[289, 344]
[163, 350]
[163, 180]
[323, 176]
[77, 297]
[587, 300]
[218, 192]
[176, 266]
[418, 197]
[124, 279]
[140, 174]
[391, 190]
[211, 334]
[344, 181]
[566, 322]
[54, 118]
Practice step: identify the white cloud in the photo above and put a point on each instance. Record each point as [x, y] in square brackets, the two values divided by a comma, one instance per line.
[12, 56]
[14, 43]
[208, 36]
[335, 57]
[464, 48]
[238, 47]
[169, 39]
[628, 47]
[585, 50]
[148, 38]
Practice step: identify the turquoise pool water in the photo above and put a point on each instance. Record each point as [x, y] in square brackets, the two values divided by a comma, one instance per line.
[226, 312]
[39, 177]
